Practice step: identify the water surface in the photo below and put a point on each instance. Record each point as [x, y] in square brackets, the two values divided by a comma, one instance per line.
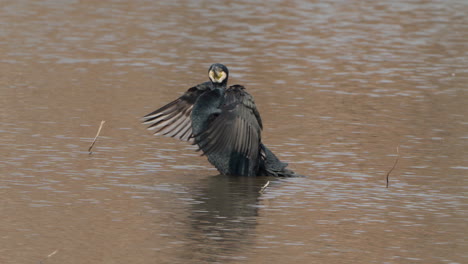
[339, 85]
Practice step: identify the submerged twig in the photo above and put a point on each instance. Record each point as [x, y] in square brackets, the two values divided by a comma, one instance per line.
[394, 164]
[97, 135]
[264, 187]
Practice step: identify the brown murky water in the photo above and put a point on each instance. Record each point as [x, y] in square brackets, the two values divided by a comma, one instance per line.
[339, 84]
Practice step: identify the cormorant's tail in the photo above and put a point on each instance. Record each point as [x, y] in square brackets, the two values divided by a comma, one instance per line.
[270, 165]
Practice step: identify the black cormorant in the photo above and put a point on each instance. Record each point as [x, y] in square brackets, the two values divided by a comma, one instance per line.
[224, 123]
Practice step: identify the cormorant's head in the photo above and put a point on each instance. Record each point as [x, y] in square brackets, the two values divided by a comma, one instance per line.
[218, 73]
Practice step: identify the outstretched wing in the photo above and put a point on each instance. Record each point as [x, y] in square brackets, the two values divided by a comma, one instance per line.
[237, 128]
[173, 119]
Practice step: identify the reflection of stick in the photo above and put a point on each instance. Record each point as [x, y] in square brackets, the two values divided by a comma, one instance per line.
[97, 135]
[264, 187]
[394, 164]
[48, 256]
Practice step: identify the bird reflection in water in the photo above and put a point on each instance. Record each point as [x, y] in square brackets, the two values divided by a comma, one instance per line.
[223, 218]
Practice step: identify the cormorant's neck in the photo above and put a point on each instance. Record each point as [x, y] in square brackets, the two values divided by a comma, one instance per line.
[219, 85]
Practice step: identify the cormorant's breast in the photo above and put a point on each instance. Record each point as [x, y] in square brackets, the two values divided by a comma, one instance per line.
[205, 109]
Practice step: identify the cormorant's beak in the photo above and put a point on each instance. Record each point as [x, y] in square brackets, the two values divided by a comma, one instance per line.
[217, 75]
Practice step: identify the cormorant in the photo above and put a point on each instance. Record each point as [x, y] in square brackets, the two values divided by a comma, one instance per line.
[223, 122]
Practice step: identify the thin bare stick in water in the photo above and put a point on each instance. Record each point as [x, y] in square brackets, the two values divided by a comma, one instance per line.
[264, 187]
[97, 135]
[48, 256]
[394, 164]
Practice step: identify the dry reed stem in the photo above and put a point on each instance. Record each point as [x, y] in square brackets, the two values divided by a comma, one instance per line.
[394, 164]
[264, 187]
[48, 256]
[97, 135]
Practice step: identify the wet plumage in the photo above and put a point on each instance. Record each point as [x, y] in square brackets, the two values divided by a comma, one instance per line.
[223, 122]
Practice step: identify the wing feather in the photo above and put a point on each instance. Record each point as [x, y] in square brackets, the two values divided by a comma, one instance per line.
[174, 119]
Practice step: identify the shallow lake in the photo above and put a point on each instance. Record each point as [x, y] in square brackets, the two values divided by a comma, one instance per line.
[340, 85]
